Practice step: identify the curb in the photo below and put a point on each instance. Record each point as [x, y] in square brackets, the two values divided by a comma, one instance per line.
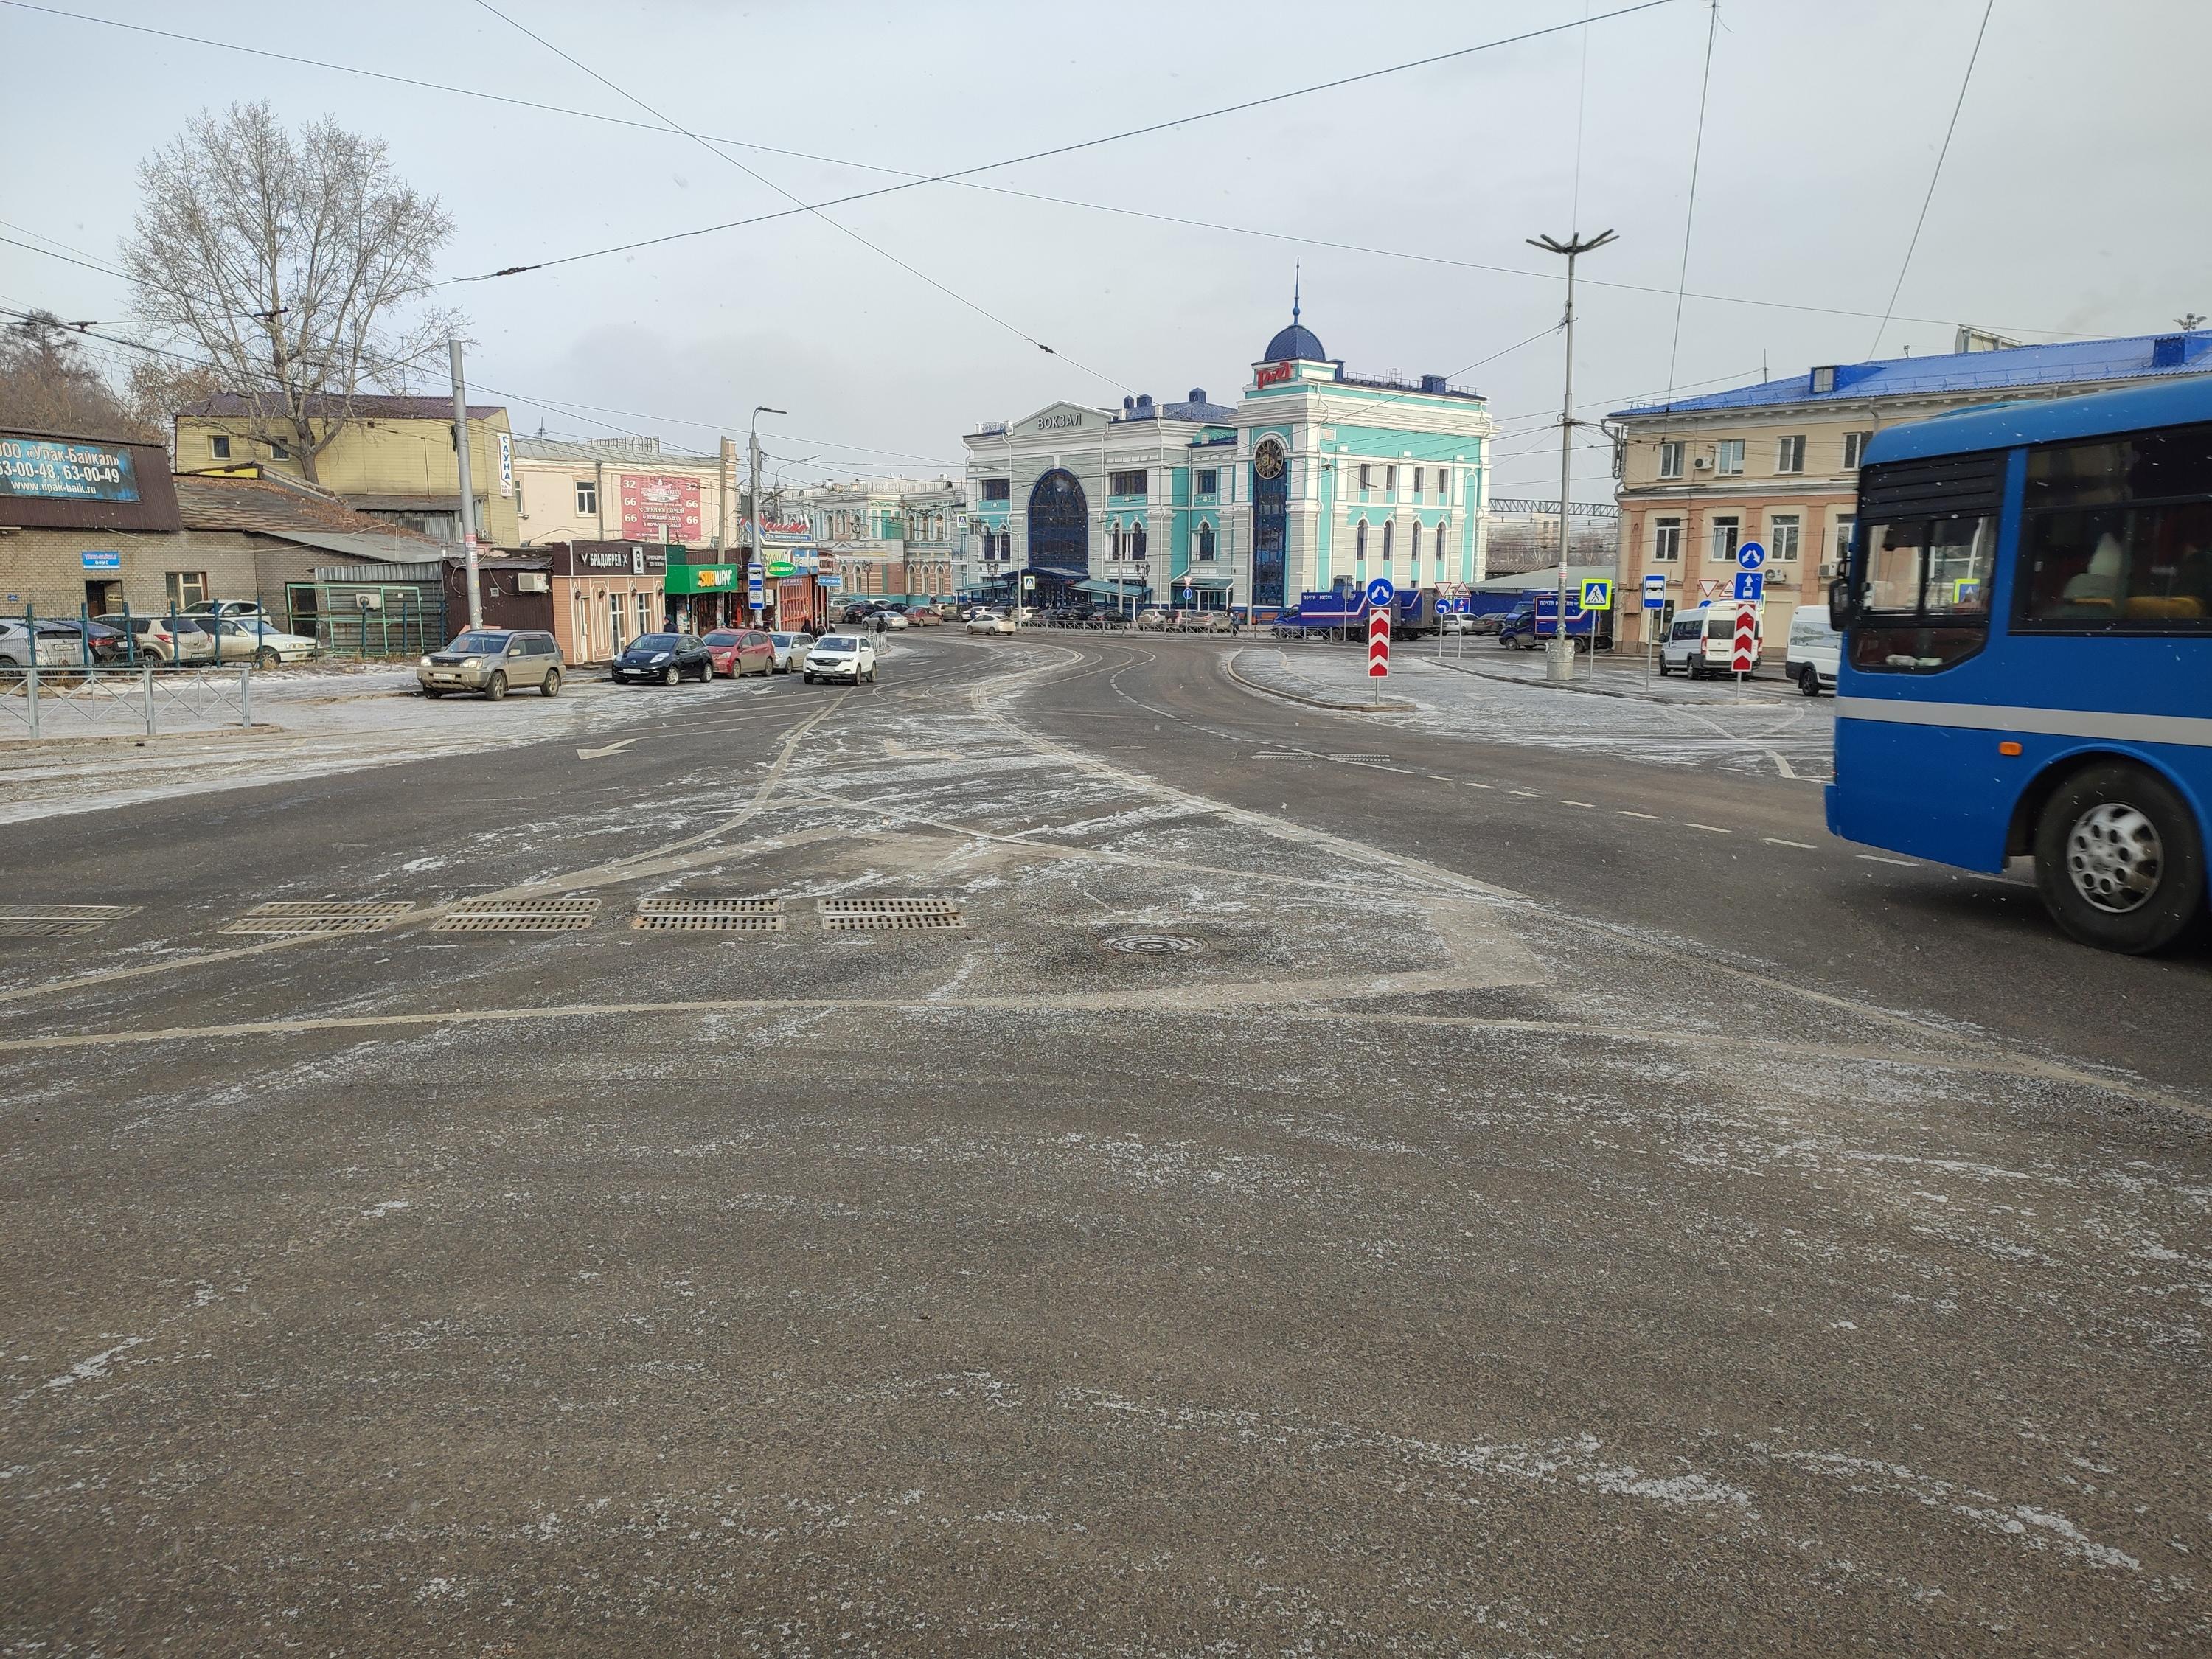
[1571, 685]
[1229, 666]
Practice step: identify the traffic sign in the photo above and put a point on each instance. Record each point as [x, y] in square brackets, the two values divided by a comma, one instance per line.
[1654, 592]
[828, 584]
[1028, 582]
[1750, 585]
[1747, 641]
[1751, 556]
[1378, 631]
[1380, 593]
[1597, 595]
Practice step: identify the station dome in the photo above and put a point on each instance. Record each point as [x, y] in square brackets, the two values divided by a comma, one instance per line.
[1297, 343]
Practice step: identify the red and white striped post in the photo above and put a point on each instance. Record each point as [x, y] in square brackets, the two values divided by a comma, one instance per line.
[1378, 647]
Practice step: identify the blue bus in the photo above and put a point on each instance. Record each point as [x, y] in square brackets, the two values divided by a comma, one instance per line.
[2027, 653]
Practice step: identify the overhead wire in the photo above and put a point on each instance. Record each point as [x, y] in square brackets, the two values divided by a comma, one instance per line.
[965, 179]
[1964, 81]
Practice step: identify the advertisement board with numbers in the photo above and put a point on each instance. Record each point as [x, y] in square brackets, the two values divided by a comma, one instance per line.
[64, 470]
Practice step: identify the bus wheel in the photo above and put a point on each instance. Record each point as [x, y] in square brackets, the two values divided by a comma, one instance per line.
[2119, 860]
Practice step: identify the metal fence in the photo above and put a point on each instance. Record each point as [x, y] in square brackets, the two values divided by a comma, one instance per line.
[119, 701]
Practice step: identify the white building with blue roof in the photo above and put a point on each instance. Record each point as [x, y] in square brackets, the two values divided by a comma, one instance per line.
[1316, 478]
[1777, 463]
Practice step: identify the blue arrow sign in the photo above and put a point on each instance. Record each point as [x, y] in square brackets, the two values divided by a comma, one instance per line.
[1751, 556]
[1751, 585]
[1380, 593]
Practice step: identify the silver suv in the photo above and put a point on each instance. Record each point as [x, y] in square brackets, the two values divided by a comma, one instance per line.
[493, 660]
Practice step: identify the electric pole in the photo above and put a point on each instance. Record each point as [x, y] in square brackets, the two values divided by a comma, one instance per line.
[752, 470]
[468, 490]
[1559, 664]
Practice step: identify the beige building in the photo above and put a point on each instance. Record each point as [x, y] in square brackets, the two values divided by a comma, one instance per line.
[393, 458]
[625, 490]
[890, 537]
[1777, 463]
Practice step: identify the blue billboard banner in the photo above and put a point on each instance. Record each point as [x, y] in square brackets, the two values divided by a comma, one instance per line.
[98, 559]
[41, 469]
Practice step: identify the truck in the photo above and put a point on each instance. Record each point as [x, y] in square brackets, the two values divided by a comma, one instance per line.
[1535, 618]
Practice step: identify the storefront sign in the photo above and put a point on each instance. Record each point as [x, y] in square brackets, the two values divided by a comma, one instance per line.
[787, 527]
[99, 560]
[1272, 375]
[507, 464]
[638, 560]
[67, 471]
[701, 579]
[780, 568]
[655, 508]
[1053, 422]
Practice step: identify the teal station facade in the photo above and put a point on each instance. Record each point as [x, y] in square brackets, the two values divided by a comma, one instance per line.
[1316, 478]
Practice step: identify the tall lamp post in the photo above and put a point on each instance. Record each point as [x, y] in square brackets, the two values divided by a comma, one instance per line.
[1559, 662]
[752, 475]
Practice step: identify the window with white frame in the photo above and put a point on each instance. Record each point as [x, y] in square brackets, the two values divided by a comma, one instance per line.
[587, 498]
[1783, 530]
[1670, 458]
[1846, 524]
[1855, 445]
[1443, 539]
[643, 603]
[1206, 543]
[1415, 547]
[1128, 484]
[1364, 471]
[1789, 453]
[1666, 541]
[219, 447]
[1417, 482]
[1728, 455]
[1389, 532]
[1727, 536]
[1389, 478]
[1359, 541]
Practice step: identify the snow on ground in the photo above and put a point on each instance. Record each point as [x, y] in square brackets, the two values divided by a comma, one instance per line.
[1762, 735]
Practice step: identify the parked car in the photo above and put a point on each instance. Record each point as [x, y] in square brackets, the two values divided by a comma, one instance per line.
[922, 616]
[56, 645]
[667, 658]
[109, 644]
[1152, 616]
[990, 622]
[1703, 642]
[263, 643]
[246, 609]
[791, 650]
[1813, 651]
[165, 639]
[737, 652]
[894, 620]
[493, 660]
[841, 656]
[1489, 623]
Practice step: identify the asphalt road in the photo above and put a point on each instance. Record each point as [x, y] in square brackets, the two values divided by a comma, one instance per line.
[1315, 1183]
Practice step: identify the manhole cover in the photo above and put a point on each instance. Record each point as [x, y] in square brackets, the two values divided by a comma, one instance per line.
[1151, 944]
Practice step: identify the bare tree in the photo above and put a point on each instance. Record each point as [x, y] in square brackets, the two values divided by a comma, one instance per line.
[298, 266]
[48, 383]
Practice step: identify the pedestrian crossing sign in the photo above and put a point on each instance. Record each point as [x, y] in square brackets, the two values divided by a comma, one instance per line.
[1597, 595]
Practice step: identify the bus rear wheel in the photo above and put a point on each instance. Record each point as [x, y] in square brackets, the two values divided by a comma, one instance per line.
[2120, 861]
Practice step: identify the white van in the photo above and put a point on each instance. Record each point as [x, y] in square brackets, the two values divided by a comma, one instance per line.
[1703, 642]
[1815, 650]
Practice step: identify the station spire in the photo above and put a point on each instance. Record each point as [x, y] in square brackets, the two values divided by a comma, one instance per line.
[1297, 282]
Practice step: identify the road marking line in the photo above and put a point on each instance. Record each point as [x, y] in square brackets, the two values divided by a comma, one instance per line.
[1564, 801]
[1527, 794]
[1801, 846]
[1710, 828]
[1902, 864]
[1623, 812]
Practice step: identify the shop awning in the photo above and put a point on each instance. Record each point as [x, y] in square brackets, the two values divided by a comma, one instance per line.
[1115, 589]
[1211, 584]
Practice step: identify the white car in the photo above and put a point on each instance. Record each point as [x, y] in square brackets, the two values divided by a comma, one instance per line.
[791, 650]
[989, 622]
[893, 620]
[265, 643]
[58, 647]
[850, 657]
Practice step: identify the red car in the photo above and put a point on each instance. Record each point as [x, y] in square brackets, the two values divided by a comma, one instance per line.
[737, 652]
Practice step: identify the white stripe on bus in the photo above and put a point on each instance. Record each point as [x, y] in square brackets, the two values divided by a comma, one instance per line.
[2188, 730]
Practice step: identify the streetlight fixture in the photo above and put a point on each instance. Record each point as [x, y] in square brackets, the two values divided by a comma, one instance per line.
[1559, 664]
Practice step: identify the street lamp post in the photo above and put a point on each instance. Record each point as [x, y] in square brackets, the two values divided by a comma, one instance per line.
[1560, 663]
[753, 484]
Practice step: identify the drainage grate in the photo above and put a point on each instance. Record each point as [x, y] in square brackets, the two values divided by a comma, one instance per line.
[877, 915]
[1363, 760]
[708, 907]
[1277, 754]
[560, 916]
[58, 920]
[1151, 944]
[321, 916]
[708, 920]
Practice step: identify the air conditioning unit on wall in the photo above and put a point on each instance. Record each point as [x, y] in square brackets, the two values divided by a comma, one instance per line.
[1704, 464]
[532, 581]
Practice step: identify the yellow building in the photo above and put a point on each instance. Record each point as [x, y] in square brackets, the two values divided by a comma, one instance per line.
[393, 459]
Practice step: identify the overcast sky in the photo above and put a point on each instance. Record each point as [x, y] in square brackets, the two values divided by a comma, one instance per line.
[2071, 200]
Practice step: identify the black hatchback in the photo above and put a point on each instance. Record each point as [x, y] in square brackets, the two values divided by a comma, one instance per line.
[667, 658]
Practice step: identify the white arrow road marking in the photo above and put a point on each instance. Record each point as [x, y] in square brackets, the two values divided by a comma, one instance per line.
[614, 748]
